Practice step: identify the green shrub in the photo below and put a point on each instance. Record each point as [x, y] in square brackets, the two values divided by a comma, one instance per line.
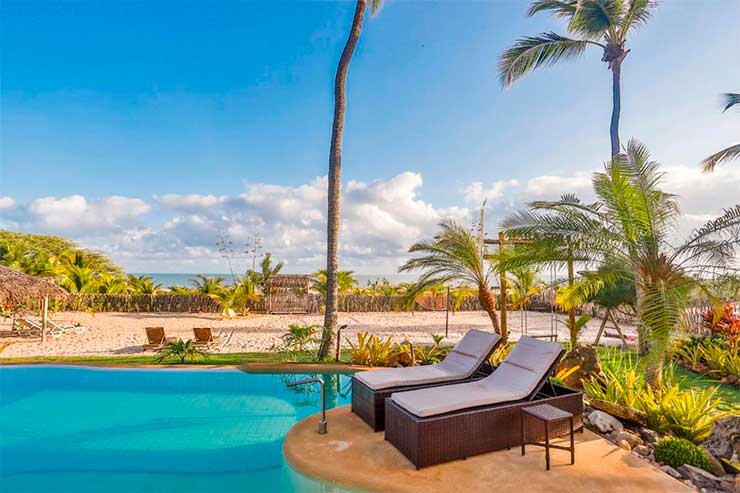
[370, 350]
[676, 452]
[182, 350]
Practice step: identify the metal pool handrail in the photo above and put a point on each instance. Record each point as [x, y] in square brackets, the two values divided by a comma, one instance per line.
[320, 381]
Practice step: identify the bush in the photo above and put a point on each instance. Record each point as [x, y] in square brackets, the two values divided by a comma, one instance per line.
[370, 350]
[724, 323]
[676, 452]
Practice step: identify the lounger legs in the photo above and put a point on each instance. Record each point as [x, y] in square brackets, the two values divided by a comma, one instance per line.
[547, 445]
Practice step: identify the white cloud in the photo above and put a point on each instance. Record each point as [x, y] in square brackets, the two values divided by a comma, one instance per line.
[75, 214]
[476, 192]
[551, 185]
[6, 203]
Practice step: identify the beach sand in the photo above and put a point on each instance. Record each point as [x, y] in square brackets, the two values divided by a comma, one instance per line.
[123, 333]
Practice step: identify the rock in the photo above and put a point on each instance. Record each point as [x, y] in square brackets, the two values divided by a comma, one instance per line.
[717, 468]
[642, 450]
[628, 437]
[670, 471]
[699, 477]
[604, 422]
[724, 441]
[622, 412]
[649, 436]
[585, 358]
[624, 444]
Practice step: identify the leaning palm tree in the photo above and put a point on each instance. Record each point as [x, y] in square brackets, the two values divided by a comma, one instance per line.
[604, 24]
[732, 152]
[454, 255]
[627, 233]
[335, 169]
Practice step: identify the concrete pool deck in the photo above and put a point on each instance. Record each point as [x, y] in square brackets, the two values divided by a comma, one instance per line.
[351, 455]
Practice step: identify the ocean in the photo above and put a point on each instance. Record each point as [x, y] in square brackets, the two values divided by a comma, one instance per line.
[183, 279]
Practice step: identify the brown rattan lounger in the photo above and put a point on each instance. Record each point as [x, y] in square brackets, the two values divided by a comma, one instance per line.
[462, 433]
[370, 389]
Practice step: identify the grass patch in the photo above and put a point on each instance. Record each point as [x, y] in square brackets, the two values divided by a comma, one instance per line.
[150, 359]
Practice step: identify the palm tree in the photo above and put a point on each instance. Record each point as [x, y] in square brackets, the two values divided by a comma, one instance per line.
[601, 23]
[525, 285]
[345, 282]
[110, 284]
[206, 285]
[79, 280]
[627, 233]
[732, 152]
[231, 300]
[335, 169]
[267, 270]
[454, 255]
[142, 284]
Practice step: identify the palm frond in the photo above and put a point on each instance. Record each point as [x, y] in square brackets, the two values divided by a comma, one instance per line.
[559, 8]
[532, 52]
[638, 13]
[725, 155]
[594, 18]
[730, 100]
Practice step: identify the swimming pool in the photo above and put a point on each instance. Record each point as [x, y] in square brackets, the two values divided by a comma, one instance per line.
[165, 430]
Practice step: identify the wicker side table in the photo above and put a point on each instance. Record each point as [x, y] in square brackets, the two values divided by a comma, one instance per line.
[548, 415]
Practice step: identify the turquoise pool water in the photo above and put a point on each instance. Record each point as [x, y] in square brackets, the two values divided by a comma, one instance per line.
[169, 430]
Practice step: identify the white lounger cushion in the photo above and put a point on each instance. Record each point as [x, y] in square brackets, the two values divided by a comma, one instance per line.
[515, 379]
[460, 363]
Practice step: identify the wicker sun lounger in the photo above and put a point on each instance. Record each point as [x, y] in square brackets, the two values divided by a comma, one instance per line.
[463, 364]
[459, 421]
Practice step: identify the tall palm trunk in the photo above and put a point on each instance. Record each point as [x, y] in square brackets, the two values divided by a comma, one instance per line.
[335, 171]
[616, 107]
[488, 303]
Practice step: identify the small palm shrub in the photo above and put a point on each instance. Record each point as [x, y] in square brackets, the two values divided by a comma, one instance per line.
[297, 341]
[682, 413]
[676, 452]
[370, 350]
[430, 354]
[182, 350]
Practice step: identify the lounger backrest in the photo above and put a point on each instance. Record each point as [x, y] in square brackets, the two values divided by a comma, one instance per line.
[155, 335]
[472, 350]
[527, 366]
[203, 334]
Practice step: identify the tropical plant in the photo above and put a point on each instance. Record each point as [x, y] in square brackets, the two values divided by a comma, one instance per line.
[524, 285]
[335, 171]
[730, 153]
[676, 452]
[498, 354]
[142, 284]
[604, 24]
[575, 329]
[370, 350]
[429, 354]
[182, 350]
[301, 337]
[206, 285]
[345, 282]
[232, 300]
[111, 284]
[181, 290]
[722, 322]
[459, 294]
[79, 280]
[454, 255]
[626, 232]
[267, 270]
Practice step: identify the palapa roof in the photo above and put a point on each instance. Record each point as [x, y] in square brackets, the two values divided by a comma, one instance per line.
[17, 287]
[289, 281]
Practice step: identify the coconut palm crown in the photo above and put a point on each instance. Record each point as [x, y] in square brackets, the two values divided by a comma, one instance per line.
[627, 233]
[453, 255]
[604, 24]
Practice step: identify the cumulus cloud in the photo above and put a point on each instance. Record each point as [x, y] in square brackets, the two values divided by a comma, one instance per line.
[75, 214]
[477, 192]
[6, 203]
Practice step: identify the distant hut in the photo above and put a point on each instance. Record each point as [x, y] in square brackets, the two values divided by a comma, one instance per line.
[288, 293]
[18, 290]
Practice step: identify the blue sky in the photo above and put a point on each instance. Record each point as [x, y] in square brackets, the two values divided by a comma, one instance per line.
[145, 109]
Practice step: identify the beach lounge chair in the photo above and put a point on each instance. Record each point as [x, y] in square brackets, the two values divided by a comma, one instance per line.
[156, 338]
[463, 363]
[440, 424]
[26, 327]
[204, 336]
[58, 330]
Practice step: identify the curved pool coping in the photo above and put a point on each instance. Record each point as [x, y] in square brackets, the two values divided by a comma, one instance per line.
[351, 455]
[256, 368]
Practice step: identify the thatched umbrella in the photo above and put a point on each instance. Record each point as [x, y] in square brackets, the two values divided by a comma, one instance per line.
[17, 288]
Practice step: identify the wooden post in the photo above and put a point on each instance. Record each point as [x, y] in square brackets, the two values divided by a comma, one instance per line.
[44, 317]
[502, 282]
[572, 309]
[447, 314]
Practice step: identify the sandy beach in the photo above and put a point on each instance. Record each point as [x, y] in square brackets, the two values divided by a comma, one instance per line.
[123, 333]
